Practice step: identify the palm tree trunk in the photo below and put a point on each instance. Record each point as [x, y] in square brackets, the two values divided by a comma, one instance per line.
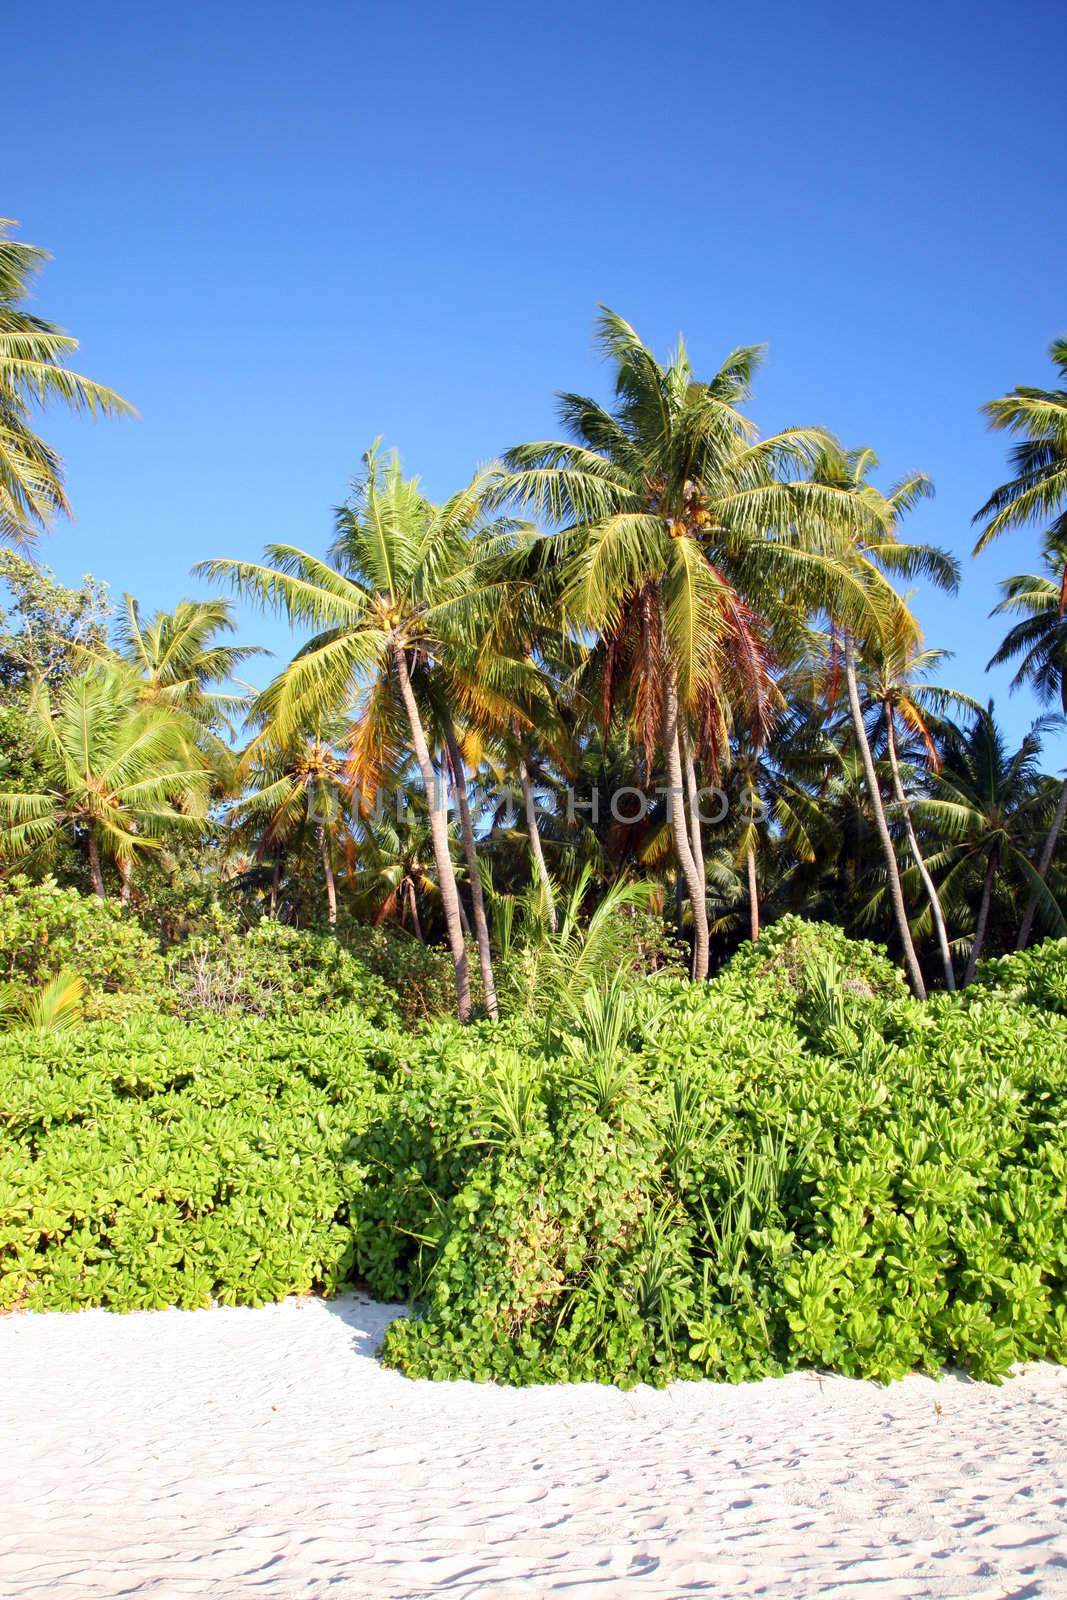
[896, 893]
[676, 798]
[1042, 867]
[753, 894]
[275, 884]
[327, 872]
[413, 907]
[96, 877]
[696, 842]
[481, 925]
[439, 833]
[535, 843]
[983, 917]
[125, 878]
[927, 881]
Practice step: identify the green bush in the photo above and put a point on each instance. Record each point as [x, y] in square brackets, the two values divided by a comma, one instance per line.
[420, 976]
[1038, 977]
[796, 1164]
[158, 1163]
[730, 1192]
[45, 929]
[273, 969]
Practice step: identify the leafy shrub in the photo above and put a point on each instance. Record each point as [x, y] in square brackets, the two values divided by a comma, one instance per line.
[273, 969]
[782, 963]
[794, 1165]
[717, 1190]
[44, 929]
[420, 976]
[157, 1163]
[1037, 976]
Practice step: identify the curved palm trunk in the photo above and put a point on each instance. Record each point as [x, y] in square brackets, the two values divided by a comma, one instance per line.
[327, 873]
[927, 881]
[896, 893]
[481, 925]
[676, 797]
[439, 833]
[535, 843]
[753, 894]
[1042, 867]
[275, 884]
[96, 876]
[983, 918]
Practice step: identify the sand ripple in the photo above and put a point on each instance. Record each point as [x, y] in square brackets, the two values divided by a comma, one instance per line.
[237, 1453]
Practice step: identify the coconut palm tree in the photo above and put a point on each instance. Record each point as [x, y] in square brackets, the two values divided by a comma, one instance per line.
[773, 801]
[117, 774]
[32, 375]
[687, 547]
[893, 667]
[989, 803]
[395, 870]
[887, 617]
[1040, 638]
[299, 789]
[180, 661]
[1037, 494]
[404, 583]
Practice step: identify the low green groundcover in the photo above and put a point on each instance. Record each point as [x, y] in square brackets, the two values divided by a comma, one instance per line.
[793, 1165]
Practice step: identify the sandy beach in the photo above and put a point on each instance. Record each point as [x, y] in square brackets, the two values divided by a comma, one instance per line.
[234, 1453]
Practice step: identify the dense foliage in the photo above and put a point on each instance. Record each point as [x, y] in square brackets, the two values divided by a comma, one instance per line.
[155, 1163]
[229, 1072]
[695, 670]
[794, 1164]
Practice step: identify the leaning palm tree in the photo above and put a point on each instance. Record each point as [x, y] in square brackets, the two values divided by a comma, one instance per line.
[689, 544]
[1040, 638]
[887, 617]
[32, 375]
[893, 668]
[1037, 494]
[989, 803]
[403, 587]
[117, 775]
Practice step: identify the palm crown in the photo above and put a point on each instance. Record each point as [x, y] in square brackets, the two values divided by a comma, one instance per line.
[32, 374]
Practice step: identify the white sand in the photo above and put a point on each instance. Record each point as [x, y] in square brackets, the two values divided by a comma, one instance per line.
[240, 1453]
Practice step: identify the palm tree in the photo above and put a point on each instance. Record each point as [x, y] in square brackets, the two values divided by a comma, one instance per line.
[774, 801]
[395, 870]
[403, 588]
[180, 661]
[32, 374]
[686, 546]
[298, 788]
[893, 669]
[1037, 494]
[989, 803]
[1040, 638]
[887, 617]
[115, 772]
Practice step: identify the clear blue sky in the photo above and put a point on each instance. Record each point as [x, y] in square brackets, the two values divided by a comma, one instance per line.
[283, 230]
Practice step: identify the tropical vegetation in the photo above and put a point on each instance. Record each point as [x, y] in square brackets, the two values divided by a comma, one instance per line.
[506, 946]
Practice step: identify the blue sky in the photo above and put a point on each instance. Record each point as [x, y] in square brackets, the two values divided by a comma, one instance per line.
[283, 231]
